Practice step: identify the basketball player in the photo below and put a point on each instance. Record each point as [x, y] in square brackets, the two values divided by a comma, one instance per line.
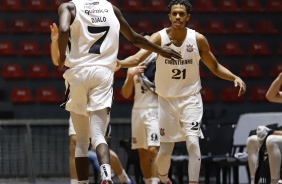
[178, 86]
[273, 142]
[114, 160]
[144, 121]
[92, 30]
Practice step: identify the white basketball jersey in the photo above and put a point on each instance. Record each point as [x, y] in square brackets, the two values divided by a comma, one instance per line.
[94, 35]
[176, 78]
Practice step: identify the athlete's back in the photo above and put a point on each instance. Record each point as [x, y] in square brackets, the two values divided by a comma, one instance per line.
[94, 35]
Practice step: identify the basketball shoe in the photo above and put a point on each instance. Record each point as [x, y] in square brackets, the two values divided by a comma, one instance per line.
[107, 181]
[167, 182]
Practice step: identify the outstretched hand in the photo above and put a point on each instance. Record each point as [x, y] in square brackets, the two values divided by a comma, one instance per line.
[54, 32]
[239, 82]
[169, 52]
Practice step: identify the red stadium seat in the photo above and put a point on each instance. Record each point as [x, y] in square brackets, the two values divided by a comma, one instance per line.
[36, 5]
[58, 72]
[7, 48]
[46, 48]
[276, 69]
[56, 3]
[215, 27]
[156, 6]
[230, 94]
[11, 5]
[43, 25]
[228, 6]
[21, 95]
[207, 95]
[257, 94]
[29, 48]
[203, 6]
[114, 2]
[127, 49]
[142, 25]
[12, 71]
[20, 26]
[273, 6]
[192, 24]
[37, 71]
[231, 49]
[258, 48]
[250, 70]
[3, 27]
[132, 6]
[239, 27]
[120, 99]
[265, 27]
[47, 95]
[251, 6]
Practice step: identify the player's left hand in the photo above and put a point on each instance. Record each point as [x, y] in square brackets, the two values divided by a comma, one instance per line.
[239, 82]
[54, 32]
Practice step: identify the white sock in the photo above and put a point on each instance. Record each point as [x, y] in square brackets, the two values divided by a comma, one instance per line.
[74, 181]
[147, 181]
[123, 177]
[105, 171]
[155, 180]
[83, 182]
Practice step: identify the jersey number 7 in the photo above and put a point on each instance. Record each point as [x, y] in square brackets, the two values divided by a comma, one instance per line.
[95, 48]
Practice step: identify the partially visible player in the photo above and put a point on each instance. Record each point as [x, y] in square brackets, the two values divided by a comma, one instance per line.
[144, 118]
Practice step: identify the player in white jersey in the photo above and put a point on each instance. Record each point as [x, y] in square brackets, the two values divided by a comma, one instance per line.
[273, 142]
[144, 121]
[92, 29]
[178, 86]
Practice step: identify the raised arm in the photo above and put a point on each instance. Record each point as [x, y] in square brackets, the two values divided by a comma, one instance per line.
[128, 85]
[55, 55]
[274, 94]
[210, 61]
[139, 41]
[64, 27]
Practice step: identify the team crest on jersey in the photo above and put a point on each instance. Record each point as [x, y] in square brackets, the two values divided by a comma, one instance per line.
[189, 48]
[162, 131]
[133, 140]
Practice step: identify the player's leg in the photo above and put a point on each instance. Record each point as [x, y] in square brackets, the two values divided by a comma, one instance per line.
[72, 134]
[94, 160]
[274, 149]
[81, 127]
[194, 164]
[252, 146]
[118, 169]
[145, 164]
[73, 175]
[153, 141]
[98, 126]
[163, 160]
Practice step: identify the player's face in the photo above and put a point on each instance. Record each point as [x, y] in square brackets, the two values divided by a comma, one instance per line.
[178, 16]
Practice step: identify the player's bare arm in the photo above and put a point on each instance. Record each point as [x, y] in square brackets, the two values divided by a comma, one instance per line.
[210, 61]
[128, 85]
[55, 55]
[64, 26]
[139, 41]
[274, 94]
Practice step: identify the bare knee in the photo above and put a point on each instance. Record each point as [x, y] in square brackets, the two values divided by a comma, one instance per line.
[153, 151]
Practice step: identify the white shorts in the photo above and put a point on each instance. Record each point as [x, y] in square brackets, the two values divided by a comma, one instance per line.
[180, 117]
[90, 89]
[145, 128]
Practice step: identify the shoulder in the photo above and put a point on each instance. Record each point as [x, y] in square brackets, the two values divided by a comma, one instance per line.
[201, 40]
[67, 5]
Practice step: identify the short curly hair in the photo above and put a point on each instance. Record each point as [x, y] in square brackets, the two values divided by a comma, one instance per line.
[185, 3]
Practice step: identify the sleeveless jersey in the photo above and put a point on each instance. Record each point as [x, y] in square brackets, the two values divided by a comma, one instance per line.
[176, 78]
[94, 35]
[144, 98]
